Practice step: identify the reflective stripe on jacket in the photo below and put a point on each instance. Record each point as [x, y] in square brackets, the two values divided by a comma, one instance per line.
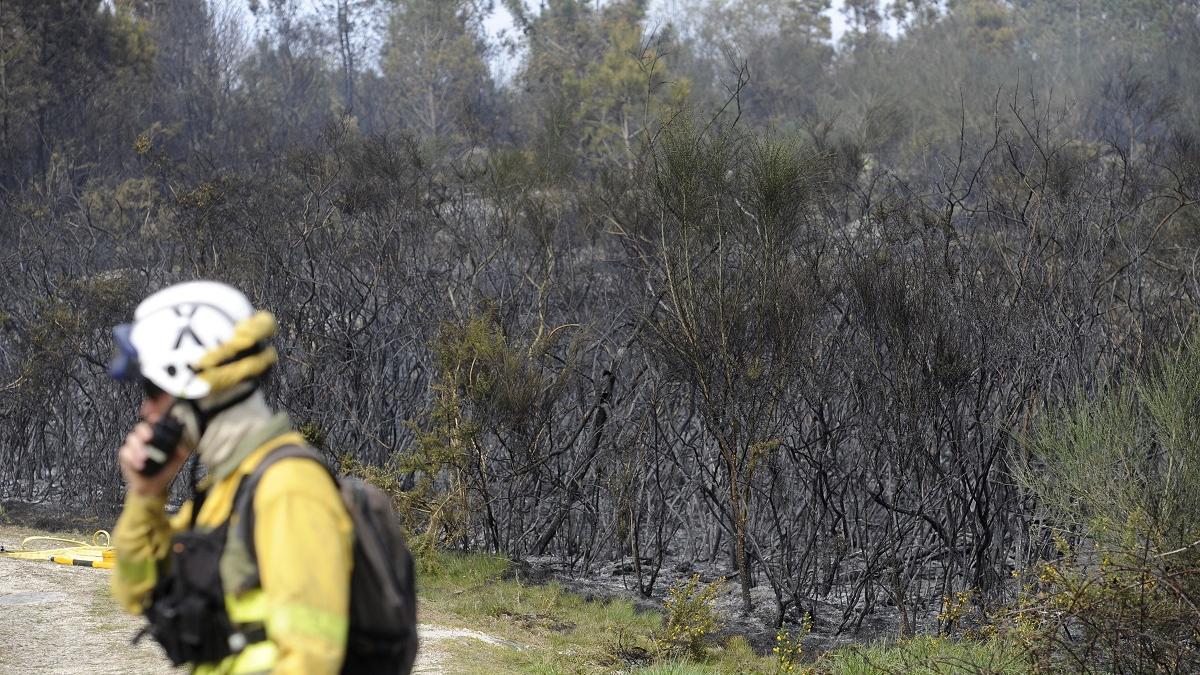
[303, 537]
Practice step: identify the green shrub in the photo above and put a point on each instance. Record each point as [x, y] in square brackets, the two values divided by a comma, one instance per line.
[1125, 468]
[314, 434]
[1123, 472]
[1116, 610]
[789, 649]
[690, 618]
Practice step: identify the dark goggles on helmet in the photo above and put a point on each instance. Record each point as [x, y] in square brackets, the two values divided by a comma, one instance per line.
[124, 366]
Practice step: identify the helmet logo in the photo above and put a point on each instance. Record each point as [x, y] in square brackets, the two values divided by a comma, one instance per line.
[186, 329]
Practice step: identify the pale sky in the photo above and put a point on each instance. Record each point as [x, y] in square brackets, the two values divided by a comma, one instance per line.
[501, 21]
[504, 64]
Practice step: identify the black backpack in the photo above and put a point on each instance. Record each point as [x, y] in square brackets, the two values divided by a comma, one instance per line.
[383, 591]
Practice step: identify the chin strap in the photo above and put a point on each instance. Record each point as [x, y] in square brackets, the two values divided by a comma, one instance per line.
[204, 417]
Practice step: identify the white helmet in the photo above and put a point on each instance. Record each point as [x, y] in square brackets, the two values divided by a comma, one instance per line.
[177, 335]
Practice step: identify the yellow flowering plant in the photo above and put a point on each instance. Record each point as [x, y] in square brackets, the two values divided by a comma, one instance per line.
[690, 618]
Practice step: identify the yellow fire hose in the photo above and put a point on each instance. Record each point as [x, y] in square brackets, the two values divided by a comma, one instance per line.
[99, 553]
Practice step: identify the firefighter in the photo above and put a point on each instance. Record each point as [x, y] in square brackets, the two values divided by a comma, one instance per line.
[199, 350]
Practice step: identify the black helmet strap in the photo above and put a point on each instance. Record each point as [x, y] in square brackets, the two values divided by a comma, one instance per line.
[204, 417]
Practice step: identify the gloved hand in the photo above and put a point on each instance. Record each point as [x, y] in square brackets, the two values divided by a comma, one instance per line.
[132, 456]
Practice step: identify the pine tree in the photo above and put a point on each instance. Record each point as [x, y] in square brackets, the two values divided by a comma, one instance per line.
[434, 73]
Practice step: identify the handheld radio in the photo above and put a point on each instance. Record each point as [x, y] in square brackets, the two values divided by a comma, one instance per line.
[163, 444]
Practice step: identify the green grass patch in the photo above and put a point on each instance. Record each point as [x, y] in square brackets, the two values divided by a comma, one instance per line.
[547, 629]
[925, 655]
[920, 656]
[552, 630]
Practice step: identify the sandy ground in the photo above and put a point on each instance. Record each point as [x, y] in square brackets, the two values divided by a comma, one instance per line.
[59, 619]
[432, 659]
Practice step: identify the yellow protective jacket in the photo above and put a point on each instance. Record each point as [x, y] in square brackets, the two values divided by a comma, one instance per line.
[303, 537]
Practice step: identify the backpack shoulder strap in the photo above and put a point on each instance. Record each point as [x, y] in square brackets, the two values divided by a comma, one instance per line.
[243, 504]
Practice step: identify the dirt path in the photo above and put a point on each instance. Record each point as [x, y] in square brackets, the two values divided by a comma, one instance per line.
[59, 619]
[433, 656]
